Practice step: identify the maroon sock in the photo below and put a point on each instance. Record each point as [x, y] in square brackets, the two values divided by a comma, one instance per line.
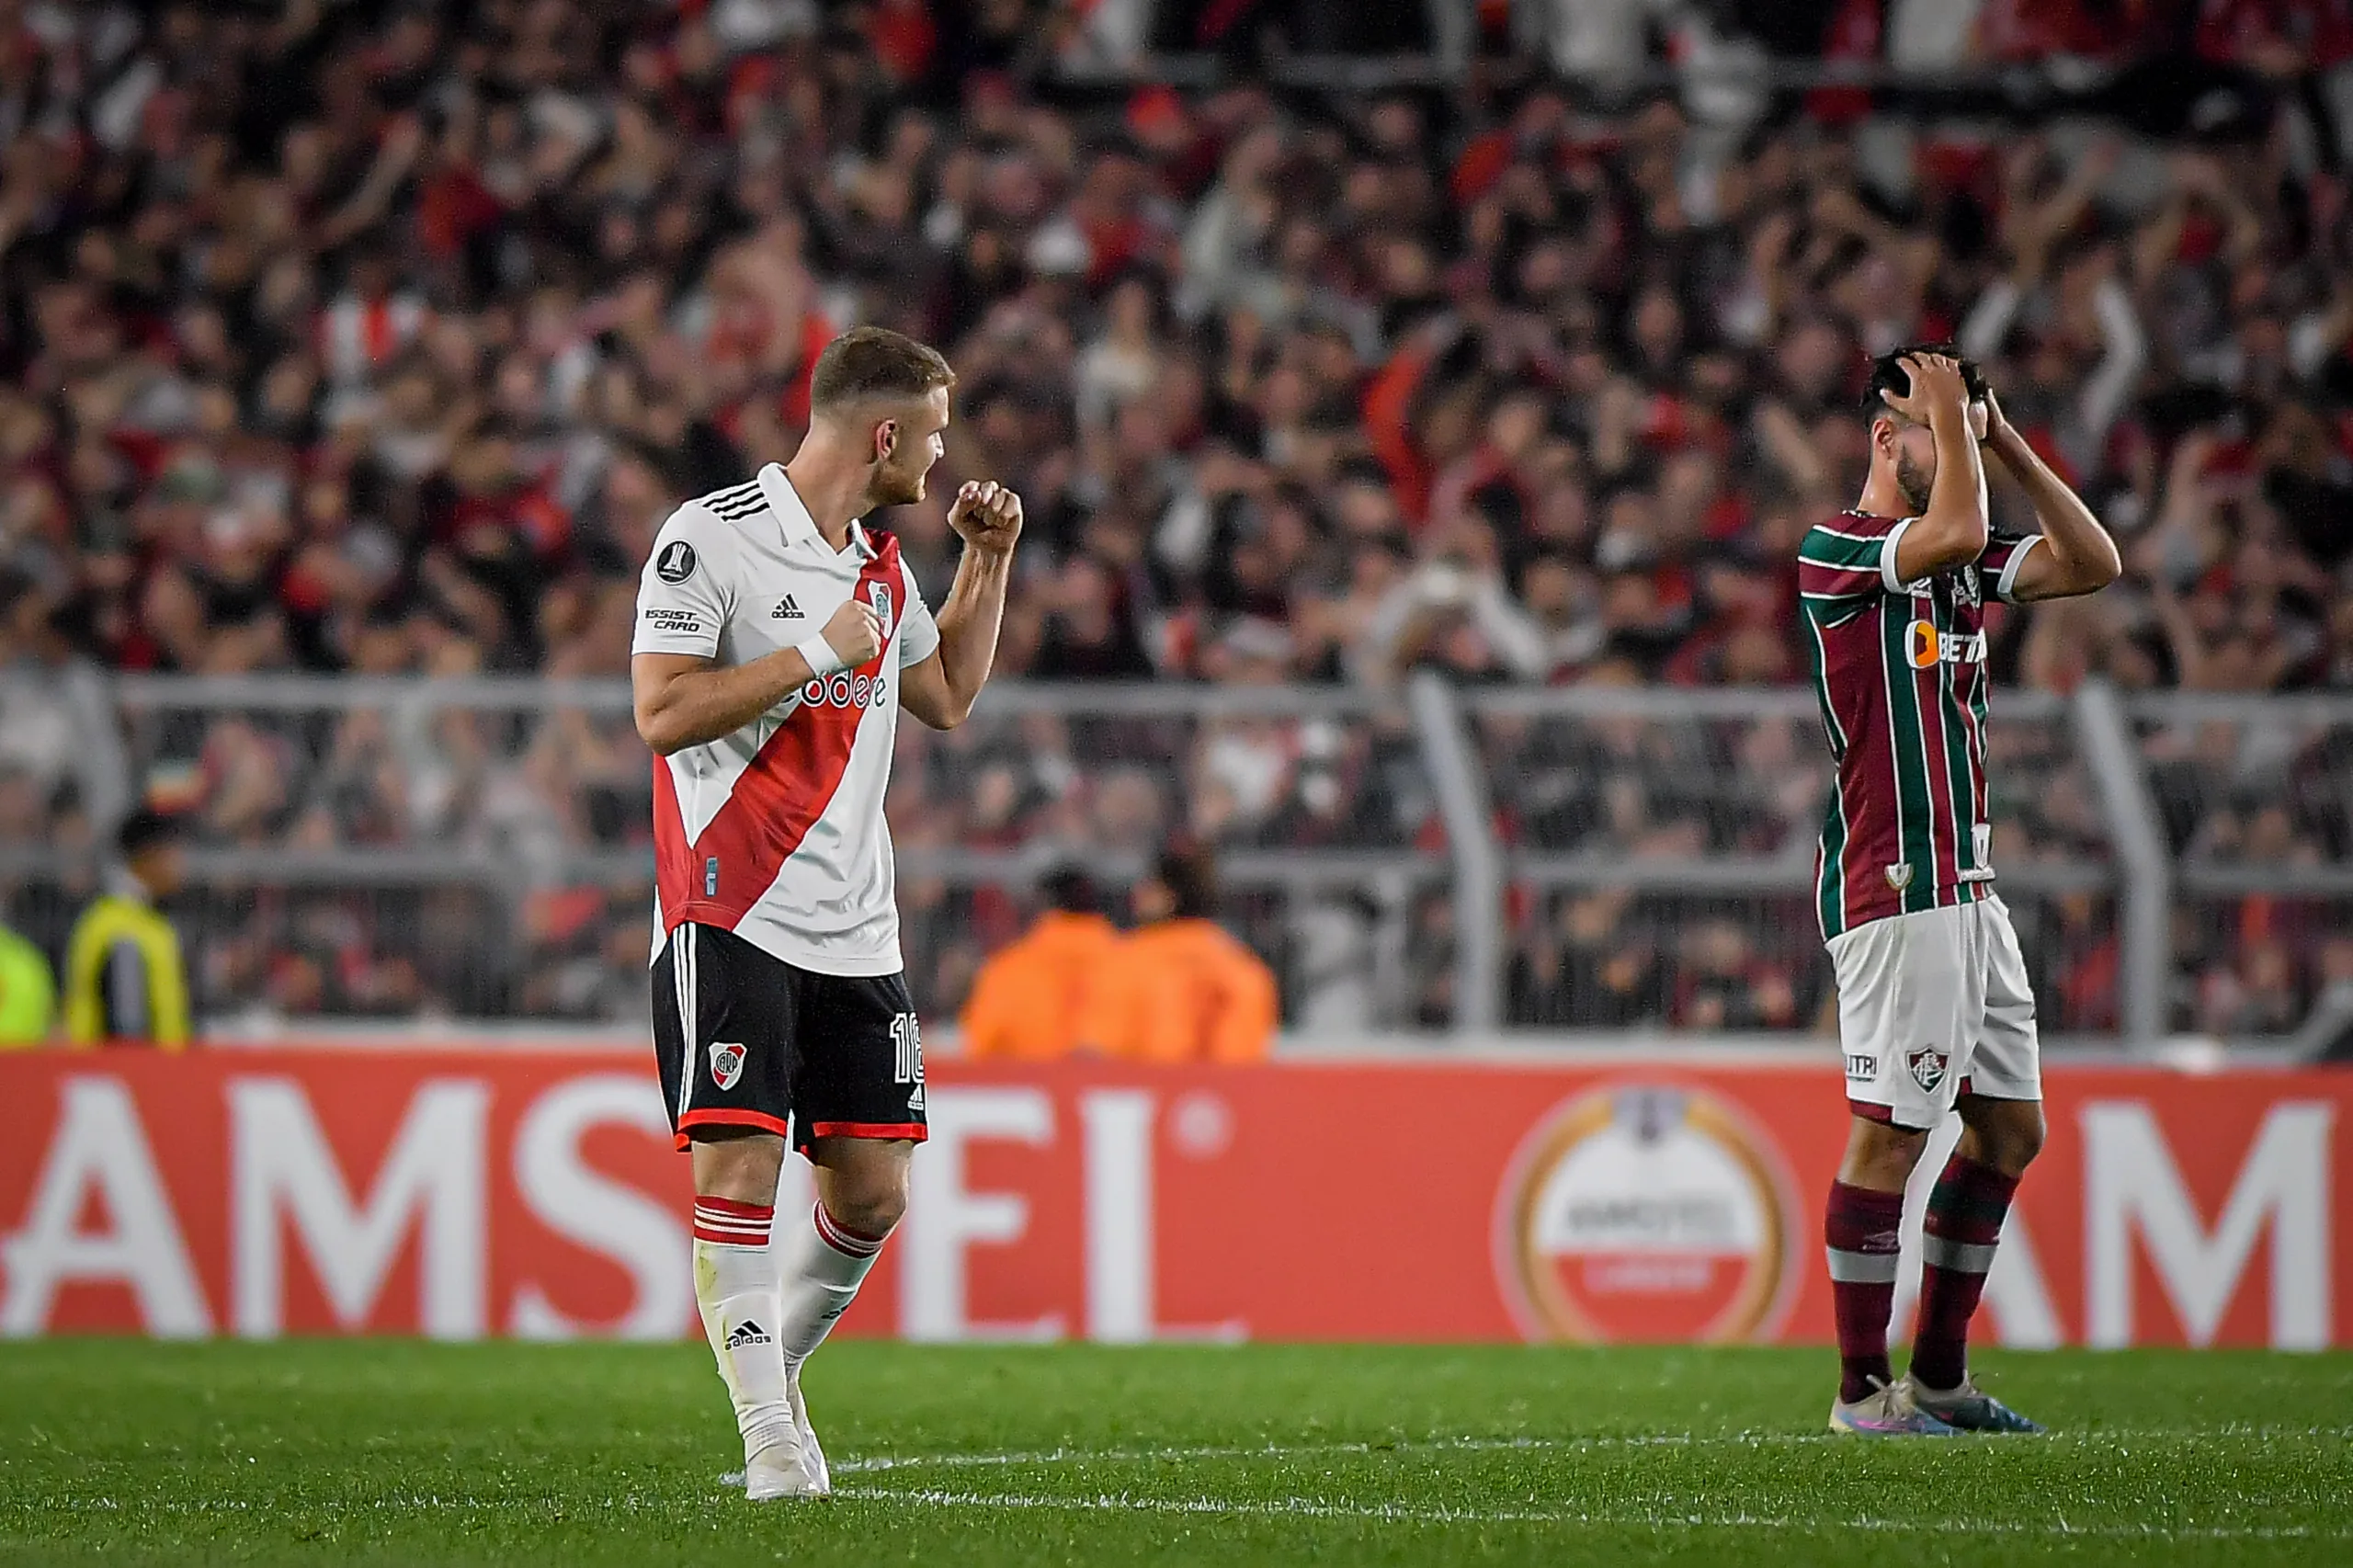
[1861, 1230]
[1964, 1223]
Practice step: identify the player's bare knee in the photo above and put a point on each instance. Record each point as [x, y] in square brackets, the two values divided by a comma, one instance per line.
[871, 1208]
[2005, 1134]
[862, 1184]
[737, 1164]
[1879, 1155]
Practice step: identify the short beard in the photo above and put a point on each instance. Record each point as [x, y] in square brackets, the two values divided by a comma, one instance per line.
[890, 489]
[1915, 484]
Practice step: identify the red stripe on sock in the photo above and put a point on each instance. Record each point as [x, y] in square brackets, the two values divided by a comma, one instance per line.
[842, 1239]
[726, 1222]
[733, 1227]
[741, 1210]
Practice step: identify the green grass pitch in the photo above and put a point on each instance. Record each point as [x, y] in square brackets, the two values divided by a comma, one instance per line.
[397, 1452]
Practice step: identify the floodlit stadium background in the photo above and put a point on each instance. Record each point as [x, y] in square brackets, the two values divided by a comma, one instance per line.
[1416, 419]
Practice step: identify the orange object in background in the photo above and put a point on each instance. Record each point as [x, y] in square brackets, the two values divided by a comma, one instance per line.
[1179, 989]
[1184, 991]
[1029, 999]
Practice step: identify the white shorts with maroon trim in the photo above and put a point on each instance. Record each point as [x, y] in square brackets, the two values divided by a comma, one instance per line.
[1932, 1006]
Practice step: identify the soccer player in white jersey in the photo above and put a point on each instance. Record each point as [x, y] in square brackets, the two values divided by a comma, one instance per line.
[1934, 1010]
[776, 640]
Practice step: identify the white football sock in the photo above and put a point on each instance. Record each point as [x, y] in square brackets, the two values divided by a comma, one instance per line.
[737, 1289]
[833, 1265]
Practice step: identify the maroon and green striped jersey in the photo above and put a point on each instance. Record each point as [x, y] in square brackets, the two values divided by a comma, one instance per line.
[1900, 671]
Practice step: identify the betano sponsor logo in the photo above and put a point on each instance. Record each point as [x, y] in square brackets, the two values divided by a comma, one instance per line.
[1931, 647]
[1647, 1212]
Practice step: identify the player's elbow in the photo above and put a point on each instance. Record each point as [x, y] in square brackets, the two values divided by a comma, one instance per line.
[2106, 568]
[2092, 579]
[2089, 574]
[660, 730]
[941, 711]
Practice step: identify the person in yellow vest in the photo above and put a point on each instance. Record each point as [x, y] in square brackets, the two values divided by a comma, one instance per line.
[124, 977]
[1178, 988]
[1030, 997]
[27, 997]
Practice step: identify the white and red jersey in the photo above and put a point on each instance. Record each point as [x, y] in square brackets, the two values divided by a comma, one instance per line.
[776, 832]
[358, 336]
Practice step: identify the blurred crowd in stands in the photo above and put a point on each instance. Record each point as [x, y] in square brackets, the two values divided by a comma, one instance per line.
[378, 338]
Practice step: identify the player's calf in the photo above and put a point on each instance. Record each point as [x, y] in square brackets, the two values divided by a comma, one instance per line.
[1960, 1236]
[862, 1193]
[1862, 1236]
[737, 1292]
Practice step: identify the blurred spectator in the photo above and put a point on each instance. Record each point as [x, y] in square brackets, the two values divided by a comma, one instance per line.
[367, 339]
[125, 981]
[1031, 997]
[1179, 988]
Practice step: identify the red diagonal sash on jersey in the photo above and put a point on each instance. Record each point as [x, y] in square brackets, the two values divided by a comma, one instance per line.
[776, 799]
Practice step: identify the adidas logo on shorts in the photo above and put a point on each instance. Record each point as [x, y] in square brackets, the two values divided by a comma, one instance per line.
[746, 1333]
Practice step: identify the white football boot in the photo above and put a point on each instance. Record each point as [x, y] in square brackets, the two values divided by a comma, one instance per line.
[1886, 1412]
[812, 1458]
[775, 1465]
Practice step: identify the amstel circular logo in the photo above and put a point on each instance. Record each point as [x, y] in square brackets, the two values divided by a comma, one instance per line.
[1646, 1213]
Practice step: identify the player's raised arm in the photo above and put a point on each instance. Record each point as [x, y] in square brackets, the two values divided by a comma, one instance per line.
[940, 689]
[2074, 555]
[1952, 531]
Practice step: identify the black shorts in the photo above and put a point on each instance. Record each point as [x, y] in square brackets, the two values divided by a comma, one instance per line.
[746, 1040]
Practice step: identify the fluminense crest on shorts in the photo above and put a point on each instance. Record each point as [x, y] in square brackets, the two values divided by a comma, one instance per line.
[1927, 1067]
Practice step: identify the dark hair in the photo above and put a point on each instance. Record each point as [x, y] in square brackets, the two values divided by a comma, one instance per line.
[1070, 890]
[1189, 873]
[1888, 374]
[874, 361]
[144, 830]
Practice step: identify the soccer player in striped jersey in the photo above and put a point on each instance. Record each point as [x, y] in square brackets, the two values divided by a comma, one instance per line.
[1934, 1013]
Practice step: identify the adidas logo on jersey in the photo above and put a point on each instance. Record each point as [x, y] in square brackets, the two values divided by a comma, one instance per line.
[746, 1333]
[786, 609]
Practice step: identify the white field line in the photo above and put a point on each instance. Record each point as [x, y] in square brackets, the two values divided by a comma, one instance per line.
[878, 1463]
[1398, 1513]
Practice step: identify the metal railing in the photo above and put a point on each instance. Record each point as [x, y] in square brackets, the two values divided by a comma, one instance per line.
[1557, 857]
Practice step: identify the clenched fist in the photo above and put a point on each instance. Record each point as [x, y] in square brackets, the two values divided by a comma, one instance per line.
[986, 516]
[855, 632]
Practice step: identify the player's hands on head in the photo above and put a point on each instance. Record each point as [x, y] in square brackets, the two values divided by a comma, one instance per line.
[1937, 387]
[855, 633]
[1986, 416]
[987, 515]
